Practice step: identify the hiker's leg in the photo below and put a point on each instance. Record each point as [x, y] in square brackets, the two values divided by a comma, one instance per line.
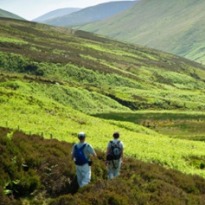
[110, 174]
[109, 170]
[79, 175]
[86, 175]
[116, 171]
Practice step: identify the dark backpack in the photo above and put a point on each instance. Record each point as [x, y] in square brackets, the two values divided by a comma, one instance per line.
[115, 151]
[79, 155]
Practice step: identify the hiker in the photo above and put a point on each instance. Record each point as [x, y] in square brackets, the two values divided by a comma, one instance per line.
[81, 154]
[114, 156]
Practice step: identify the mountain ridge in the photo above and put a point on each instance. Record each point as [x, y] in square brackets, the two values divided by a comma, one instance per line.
[91, 14]
[7, 14]
[172, 26]
[55, 13]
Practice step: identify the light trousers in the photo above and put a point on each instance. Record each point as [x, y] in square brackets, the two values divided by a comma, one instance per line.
[83, 174]
[114, 168]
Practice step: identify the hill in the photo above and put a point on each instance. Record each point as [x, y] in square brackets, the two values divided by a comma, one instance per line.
[41, 172]
[92, 14]
[6, 14]
[127, 74]
[172, 26]
[55, 82]
[54, 14]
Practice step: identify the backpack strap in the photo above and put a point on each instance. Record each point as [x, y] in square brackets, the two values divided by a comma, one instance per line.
[112, 142]
[82, 147]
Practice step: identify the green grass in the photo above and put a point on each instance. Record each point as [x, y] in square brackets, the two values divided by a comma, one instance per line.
[39, 113]
[12, 40]
[51, 86]
[175, 124]
[171, 26]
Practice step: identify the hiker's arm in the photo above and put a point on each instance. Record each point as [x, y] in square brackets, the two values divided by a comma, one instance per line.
[72, 153]
[72, 157]
[94, 154]
[122, 154]
[107, 151]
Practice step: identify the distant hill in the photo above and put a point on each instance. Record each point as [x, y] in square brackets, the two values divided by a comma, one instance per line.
[175, 26]
[92, 14]
[55, 14]
[6, 14]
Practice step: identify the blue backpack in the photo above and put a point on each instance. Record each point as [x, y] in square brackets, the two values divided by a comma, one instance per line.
[79, 155]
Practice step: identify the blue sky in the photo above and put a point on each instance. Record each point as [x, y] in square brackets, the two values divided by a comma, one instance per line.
[30, 9]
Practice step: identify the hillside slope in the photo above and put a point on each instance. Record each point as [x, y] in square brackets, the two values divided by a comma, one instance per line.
[92, 14]
[41, 172]
[6, 14]
[137, 78]
[173, 26]
[56, 13]
[53, 79]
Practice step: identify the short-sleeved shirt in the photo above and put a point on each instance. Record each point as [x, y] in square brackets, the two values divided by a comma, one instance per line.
[88, 150]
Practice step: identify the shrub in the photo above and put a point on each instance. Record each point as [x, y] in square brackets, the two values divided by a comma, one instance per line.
[41, 171]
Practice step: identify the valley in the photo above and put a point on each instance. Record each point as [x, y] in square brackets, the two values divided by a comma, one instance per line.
[55, 82]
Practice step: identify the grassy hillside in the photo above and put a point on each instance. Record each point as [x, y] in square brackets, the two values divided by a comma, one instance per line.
[91, 14]
[175, 124]
[38, 171]
[136, 78]
[173, 26]
[56, 13]
[53, 79]
[6, 14]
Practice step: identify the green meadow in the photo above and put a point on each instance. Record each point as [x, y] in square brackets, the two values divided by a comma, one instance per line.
[43, 108]
[174, 123]
[56, 82]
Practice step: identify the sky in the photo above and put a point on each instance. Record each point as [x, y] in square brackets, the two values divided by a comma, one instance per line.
[30, 9]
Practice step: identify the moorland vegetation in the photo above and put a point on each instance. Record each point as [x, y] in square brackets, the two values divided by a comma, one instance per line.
[37, 171]
[55, 82]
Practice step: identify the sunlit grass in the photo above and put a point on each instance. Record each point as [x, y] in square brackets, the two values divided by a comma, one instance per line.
[41, 115]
